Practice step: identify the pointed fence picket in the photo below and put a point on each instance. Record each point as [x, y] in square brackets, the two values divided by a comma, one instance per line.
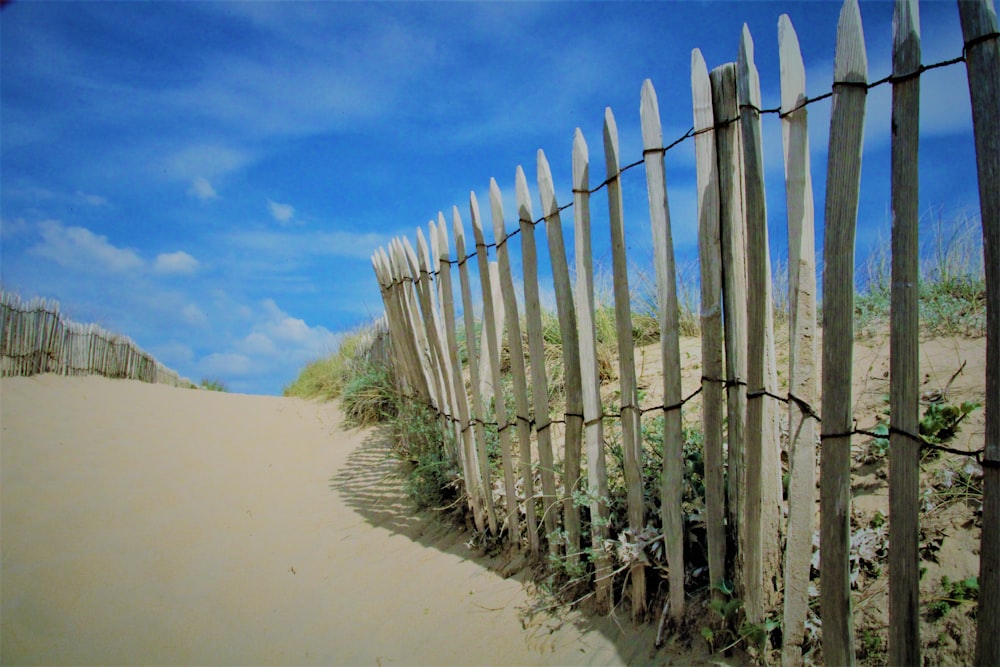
[511, 520]
[763, 463]
[713, 382]
[672, 488]
[802, 423]
[536, 351]
[518, 368]
[739, 408]
[593, 411]
[842, 185]
[465, 434]
[566, 311]
[629, 392]
[478, 415]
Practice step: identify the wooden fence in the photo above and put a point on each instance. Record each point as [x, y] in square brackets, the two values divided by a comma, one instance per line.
[740, 403]
[36, 338]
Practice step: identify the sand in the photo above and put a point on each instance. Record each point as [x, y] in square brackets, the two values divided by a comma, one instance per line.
[145, 524]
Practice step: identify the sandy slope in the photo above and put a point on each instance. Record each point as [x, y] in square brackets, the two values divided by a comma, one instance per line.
[151, 525]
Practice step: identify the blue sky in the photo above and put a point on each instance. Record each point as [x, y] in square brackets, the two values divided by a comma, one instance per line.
[211, 179]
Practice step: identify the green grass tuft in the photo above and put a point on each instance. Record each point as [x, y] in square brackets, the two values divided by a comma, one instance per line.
[213, 385]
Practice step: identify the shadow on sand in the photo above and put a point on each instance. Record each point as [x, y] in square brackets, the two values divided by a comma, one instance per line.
[371, 483]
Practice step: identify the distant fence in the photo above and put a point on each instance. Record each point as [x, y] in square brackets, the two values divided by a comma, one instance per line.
[36, 338]
[740, 402]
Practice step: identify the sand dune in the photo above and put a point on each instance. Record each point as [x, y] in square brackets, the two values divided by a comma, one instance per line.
[145, 524]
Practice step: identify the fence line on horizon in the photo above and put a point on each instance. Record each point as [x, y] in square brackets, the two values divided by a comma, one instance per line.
[36, 338]
[739, 396]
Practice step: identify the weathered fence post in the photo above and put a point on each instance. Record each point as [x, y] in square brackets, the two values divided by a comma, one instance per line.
[982, 57]
[571, 356]
[465, 433]
[493, 350]
[904, 360]
[802, 393]
[479, 414]
[713, 378]
[672, 487]
[734, 295]
[593, 413]
[842, 186]
[536, 351]
[763, 460]
[631, 444]
[518, 370]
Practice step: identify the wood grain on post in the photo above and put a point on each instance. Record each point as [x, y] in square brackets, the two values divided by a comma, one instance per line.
[802, 429]
[713, 373]
[420, 266]
[734, 293]
[982, 57]
[842, 186]
[485, 374]
[465, 434]
[571, 356]
[396, 333]
[415, 321]
[536, 351]
[518, 369]
[411, 315]
[904, 345]
[672, 487]
[432, 258]
[493, 351]
[626, 361]
[478, 415]
[763, 456]
[417, 381]
[597, 476]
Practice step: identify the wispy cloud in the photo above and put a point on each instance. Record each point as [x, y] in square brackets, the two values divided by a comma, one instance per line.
[175, 263]
[283, 213]
[93, 200]
[80, 248]
[202, 189]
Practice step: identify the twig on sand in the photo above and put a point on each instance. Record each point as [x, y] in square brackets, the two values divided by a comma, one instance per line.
[663, 622]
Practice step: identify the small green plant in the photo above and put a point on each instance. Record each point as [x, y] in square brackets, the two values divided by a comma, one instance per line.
[420, 442]
[953, 594]
[940, 421]
[733, 628]
[871, 648]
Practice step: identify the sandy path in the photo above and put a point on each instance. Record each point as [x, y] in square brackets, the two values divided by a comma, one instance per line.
[151, 525]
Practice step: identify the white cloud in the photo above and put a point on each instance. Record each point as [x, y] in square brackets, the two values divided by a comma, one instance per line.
[179, 263]
[93, 200]
[202, 189]
[283, 213]
[257, 343]
[283, 328]
[80, 248]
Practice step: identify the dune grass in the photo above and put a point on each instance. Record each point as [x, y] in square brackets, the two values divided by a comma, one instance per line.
[952, 282]
[212, 384]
